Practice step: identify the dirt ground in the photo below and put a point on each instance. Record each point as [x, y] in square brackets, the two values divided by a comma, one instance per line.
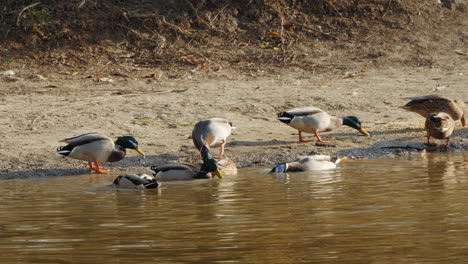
[36, 114]
[146, 73]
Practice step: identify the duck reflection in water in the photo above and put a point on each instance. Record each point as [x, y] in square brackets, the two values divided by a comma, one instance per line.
[308, 163]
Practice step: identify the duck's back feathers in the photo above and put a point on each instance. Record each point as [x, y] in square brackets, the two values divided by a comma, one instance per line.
[175, 172]
[429, 104]
[85, 139]
[135, 181]
[306, 110]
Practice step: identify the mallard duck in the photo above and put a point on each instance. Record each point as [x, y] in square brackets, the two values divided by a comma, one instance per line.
[315, 120]
[429, 104]
[210, 132]
[98, 148]
[135, 181]
[440, 126]
[174, 172]
[308, 163]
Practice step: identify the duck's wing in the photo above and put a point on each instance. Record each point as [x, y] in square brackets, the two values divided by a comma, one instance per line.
[301, 111]
[168, 167]
[305, 159]
[418, 99]
[85, 139]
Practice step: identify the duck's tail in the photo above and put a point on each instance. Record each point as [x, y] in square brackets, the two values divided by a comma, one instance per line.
[285, 117]
[64, 150]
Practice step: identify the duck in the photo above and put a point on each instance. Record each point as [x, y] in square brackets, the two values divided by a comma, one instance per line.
[439, 126]
[173, 172]
[429, 104]
[315, 120]
[308, 163]
[135, 181]
[95, 148]
[210, 132]
[227, 166]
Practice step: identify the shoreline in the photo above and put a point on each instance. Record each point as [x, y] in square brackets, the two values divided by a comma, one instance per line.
[160, 114]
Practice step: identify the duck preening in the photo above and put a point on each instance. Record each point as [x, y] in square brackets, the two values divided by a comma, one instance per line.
[308, 163]
[430, 104]
[98, 148]
[210, 132]
[439, 126]
[314, 120]
[136, 181]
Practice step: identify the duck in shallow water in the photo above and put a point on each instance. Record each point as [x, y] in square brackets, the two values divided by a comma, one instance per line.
[135, 181]
[308, 163]
[98, 148]
[174, 172]
[314, 120]
[439, 126]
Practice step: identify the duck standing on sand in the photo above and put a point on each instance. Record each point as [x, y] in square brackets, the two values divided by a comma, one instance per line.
[429, 104]
[440, 126]
[173, 172]
[211, 131]
[135, 181]
[315, 120]
[98, 148]
[308, 163]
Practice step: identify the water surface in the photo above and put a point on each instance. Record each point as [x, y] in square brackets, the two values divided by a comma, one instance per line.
[379, 211]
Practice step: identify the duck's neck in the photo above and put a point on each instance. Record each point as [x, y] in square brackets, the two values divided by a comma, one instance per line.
[335, 122]
[117, 154]
[205, 153]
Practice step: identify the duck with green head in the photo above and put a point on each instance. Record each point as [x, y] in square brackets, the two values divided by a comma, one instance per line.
[98, 148]
[174, 172]
[314, 120]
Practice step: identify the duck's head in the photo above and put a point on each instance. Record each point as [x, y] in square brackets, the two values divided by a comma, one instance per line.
[280, 168]
[355, 123]
[211, 165]
[130, 143]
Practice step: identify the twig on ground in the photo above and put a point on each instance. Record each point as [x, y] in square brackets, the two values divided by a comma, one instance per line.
[22, 11]
[316, 31]
[334, 7]
[173, 26]
[81, 4]
[193, 8]
[216, 16]
[387, 8]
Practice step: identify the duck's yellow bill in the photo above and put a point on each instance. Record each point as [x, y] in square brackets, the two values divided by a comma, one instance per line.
[218, 173]
[363, 131]
[140, 151]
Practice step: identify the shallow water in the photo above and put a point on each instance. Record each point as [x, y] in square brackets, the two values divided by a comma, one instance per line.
[380, 211]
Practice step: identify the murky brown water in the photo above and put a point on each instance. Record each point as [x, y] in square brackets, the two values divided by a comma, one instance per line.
[399, 211]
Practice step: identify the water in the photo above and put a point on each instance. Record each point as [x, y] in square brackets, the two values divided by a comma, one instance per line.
[392, 211]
